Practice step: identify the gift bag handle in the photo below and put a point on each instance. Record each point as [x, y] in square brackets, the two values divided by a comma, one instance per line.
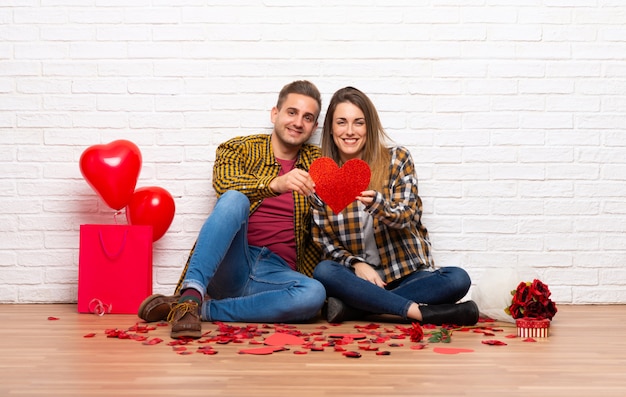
[119, 252]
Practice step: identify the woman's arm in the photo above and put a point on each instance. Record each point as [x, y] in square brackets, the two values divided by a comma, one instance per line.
[399, 204]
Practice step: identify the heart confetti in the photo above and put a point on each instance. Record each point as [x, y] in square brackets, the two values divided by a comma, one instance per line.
[451, 350]
[338, 187]
[282, 339]
[262, 350]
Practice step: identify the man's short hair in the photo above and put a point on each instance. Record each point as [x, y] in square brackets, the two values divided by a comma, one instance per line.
[302, 87]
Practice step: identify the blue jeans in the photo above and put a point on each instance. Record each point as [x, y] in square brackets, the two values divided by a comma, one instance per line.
[246, 283]
[444, 285]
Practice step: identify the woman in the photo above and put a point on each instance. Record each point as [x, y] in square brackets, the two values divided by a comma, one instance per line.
[376, 252]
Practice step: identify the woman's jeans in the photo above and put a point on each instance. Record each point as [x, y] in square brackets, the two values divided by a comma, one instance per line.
[246, 283]
[445, 285]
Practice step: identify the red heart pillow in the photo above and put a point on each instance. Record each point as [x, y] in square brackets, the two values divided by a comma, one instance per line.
[338, 187]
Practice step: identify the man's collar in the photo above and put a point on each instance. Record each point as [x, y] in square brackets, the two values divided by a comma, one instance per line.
[270, 158]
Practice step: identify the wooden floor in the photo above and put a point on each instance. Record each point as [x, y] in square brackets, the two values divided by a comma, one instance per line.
[584, 355]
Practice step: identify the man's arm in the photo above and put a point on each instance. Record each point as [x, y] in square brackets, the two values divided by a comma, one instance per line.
[236, 168]
[243, 167]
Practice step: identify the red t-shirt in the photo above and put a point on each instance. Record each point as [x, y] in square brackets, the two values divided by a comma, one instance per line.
[271, 225]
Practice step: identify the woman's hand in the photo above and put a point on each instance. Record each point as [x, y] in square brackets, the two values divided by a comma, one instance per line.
[367, 197]
[366, 272]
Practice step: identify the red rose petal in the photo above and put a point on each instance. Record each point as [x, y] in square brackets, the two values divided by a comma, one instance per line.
[368, 348]
[529, 340]
[351, 336]
[208, 350]
[90, 335]
[368, 326]
[418, 346]
[299, 352]
[493, 342]
[352, 354]
[51, 318]
[383, 353]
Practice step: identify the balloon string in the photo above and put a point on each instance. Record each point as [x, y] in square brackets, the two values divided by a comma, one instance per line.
[115, 215]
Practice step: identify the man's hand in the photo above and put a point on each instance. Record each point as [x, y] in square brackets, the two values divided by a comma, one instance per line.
[296, 180]
[366, 272]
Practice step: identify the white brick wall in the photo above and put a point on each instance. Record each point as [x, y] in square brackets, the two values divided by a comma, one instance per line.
[514, 112]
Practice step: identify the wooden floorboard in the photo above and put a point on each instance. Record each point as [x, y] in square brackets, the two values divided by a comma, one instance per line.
[585, 355]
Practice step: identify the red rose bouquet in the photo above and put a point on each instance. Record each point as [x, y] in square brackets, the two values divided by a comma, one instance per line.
[531, 300]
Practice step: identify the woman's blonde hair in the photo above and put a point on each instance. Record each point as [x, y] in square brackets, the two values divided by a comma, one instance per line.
[375, 152]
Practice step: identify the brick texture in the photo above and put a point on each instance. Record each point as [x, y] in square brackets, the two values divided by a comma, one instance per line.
[515, 116]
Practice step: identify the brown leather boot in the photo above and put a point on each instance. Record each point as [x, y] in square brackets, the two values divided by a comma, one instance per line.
[185, 320]
[156, 307]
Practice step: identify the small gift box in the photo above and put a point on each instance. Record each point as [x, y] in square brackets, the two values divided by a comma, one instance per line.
[528, 327]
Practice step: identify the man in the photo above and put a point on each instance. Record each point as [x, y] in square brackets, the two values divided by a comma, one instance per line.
[248, 262]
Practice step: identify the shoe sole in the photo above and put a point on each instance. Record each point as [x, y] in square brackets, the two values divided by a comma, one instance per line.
[187, 333]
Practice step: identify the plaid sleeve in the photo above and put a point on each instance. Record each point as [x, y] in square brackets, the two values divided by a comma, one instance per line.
[400, 210]
[241, 164]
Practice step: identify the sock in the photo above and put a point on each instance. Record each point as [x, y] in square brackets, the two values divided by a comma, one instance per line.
[190, 294]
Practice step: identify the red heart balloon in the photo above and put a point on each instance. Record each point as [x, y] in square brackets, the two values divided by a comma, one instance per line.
[154, 206]
[112, 171]
[338, 187]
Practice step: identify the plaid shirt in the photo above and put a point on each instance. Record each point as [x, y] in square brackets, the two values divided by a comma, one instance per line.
[247, 164]
[402, 241]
